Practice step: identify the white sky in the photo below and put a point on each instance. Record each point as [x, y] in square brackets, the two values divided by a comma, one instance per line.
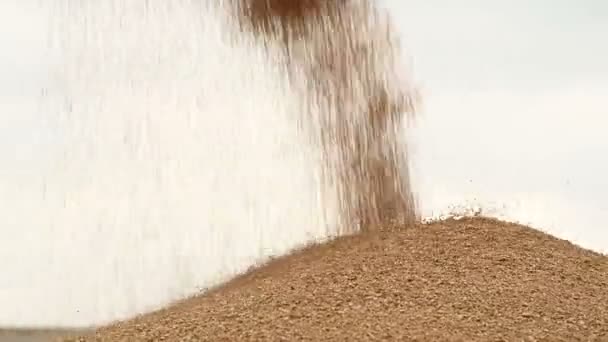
[481, 44]
[521, 48]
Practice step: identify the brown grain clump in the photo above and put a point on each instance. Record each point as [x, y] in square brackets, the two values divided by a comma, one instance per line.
[467, 280]
[345, 57]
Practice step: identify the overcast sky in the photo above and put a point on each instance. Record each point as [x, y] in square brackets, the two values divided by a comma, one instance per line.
[480, 43]
[518, 45]
[485, 64]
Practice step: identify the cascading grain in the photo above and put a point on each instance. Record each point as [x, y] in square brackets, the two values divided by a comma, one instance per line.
[344, 56]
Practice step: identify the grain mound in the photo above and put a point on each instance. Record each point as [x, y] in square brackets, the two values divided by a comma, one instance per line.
[468, 280]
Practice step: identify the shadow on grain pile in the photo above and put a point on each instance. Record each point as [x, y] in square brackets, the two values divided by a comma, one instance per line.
[474, 279]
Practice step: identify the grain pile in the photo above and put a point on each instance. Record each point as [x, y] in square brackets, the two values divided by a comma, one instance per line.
[468, 280]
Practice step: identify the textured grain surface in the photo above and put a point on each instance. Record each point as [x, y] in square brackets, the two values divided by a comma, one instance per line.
[468, 280]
